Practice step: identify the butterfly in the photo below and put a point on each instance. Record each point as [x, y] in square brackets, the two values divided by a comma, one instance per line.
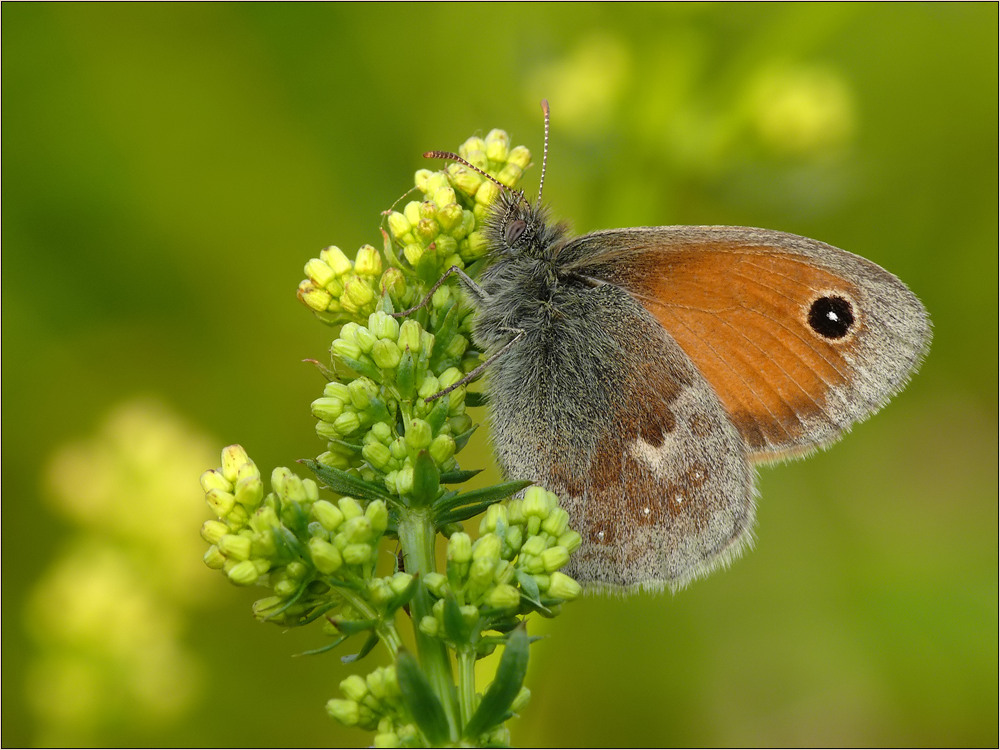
[641, 374]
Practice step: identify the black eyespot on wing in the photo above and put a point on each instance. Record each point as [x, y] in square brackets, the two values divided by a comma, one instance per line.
[513, 231]
[831, 317]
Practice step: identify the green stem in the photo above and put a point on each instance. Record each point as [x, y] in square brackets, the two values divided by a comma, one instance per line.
[467, 684]
[387, 632]
[416, 537]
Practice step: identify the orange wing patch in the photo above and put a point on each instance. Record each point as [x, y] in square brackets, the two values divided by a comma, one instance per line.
[740, 314]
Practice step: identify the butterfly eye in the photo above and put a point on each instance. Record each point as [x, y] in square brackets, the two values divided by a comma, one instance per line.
[514, 230]
[831, 317]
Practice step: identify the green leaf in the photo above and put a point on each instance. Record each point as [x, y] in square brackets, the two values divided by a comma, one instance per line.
[484, 495]
[426, 480]
[368, 369]
[344, 483]
[496, 702]
[352, 627]
[476, 398]
[461, 440]
[323, 649]
[458, 476]
[365, 650]
[455, 626]
[422, 704]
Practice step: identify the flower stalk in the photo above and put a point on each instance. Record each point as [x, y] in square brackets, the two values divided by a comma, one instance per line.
[389, 476]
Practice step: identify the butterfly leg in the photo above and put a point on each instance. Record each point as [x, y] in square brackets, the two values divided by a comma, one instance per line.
[518, 333]
[476, 291]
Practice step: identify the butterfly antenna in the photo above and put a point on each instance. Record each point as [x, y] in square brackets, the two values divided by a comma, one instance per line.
[545, 148]
[455, 157]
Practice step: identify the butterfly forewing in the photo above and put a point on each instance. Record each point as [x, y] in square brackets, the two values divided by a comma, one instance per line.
[798, 339]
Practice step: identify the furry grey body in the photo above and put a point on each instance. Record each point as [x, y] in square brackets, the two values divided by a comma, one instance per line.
[598, 403]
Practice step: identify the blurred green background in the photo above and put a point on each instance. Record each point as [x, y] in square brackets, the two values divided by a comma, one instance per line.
[168, 169]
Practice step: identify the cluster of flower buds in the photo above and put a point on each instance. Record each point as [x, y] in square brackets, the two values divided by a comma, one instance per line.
[445, 228]
[294, 542]
[373, 703]
[383, 418]
[511, 569]
[338, 289]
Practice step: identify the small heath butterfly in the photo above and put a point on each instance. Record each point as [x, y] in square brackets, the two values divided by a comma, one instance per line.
[642, 373]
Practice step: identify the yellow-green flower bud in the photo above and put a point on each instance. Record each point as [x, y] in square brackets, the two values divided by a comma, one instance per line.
[214, 558]
[350, 507]
[399, 225]
[378, 515]
[571, 541]
[327, 409]
[357, 294]
[377, 455]
[556, 522]
[475, 245]
[327, 514]
[319, 272]
[354, 687]
[487, 194]
[362, 391]
[357, 554]
[243, 573]
[520, 156]
[482, 569]
[398, 449]
[436, 583]
[404, 480]
[334, 257]
[504, 596]
[561, 586]
[393, 283]
[466, 181]
[534, 546]
[324, 555]
[347, 712]
[460, 547]
[314, 297]
[488, 547]
[412, 212]
[233, 457]
[428, 386]
[399, 582]
[496, 515]
[554, 558]
[536, 502]
[368, 262]
[347, 423]
[337, 390]
[442, 448]
[386, 354]
[358, 530]
[429, 626]
[220, 502]
[379, 592]
[469, 613]
[513, 539]
[235, 546]
[450, 376]
[214, 480]
[249, 491]
[213, 531]
[409, 336]
[451, 218]
[460, 423]
[365, 340]
[384, 326]
[497, 144]
[418, 434]
[457, 346]
[344, 348]
[510, 175]
[387, 739]
[413, 252]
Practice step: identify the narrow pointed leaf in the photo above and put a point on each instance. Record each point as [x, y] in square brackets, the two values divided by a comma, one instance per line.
[455, 627]
[501, 693]
[365, 650]
[476, 398]
[345, 484]
[426, 480]
[461, 440]
[421, 702]
[458, 476]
